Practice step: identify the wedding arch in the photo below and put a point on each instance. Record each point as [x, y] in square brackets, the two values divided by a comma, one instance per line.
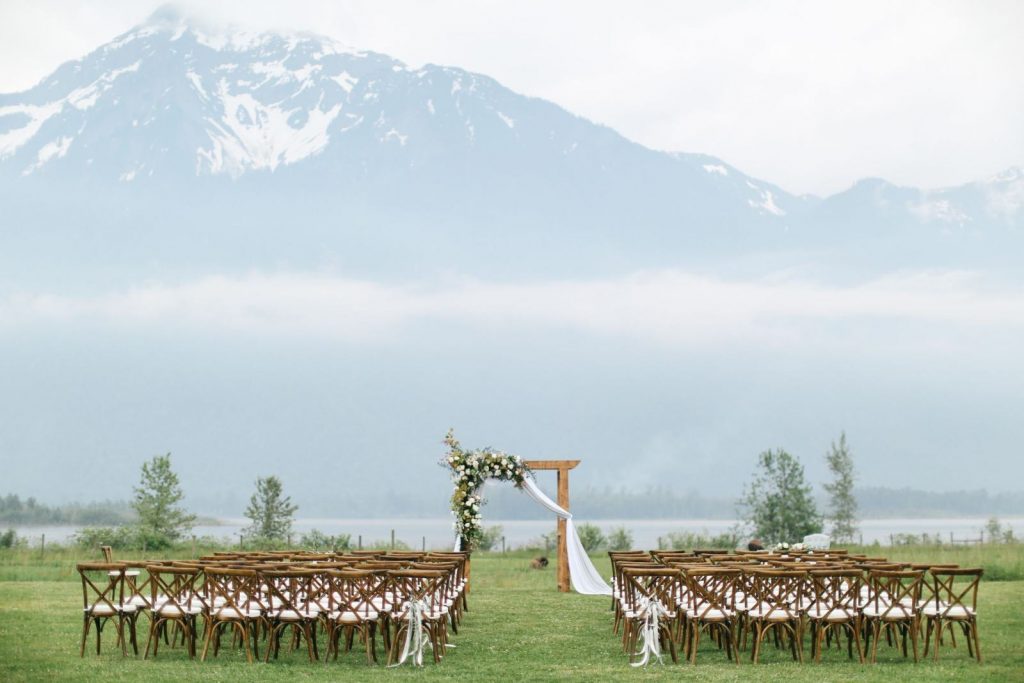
[470, 469]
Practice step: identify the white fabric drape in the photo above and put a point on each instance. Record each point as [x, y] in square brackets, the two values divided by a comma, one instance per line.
[582, 573]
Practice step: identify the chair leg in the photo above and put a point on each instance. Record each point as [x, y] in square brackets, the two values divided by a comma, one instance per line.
[977, 644]
[876, 626]
[154, 636]
[245, 642]
[207, 638]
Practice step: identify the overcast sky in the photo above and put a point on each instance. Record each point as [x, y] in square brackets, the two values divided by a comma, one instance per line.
[809, 95]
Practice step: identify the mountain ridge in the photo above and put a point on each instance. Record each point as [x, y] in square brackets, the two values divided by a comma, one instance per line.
[170, 117]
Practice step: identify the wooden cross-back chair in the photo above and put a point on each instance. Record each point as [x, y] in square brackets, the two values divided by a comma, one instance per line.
[175, 599]
[955, 601]
[619, 583]
[779, 594]
[233, 599]
[358, 605]
[451, 588]
[103, 600]
[290, 599]
[643, 589]
[423, 587]
[832, 605]
[710, 606]
[892, 607]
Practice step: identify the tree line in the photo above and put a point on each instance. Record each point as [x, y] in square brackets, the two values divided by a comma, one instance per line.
[15, 510]
[161, 520]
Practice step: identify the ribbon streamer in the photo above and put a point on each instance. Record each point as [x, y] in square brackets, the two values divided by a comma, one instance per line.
[416, 638]
[650, 637]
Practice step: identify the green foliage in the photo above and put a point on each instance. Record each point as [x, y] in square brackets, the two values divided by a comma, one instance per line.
[995, 532]
[620, 538]
[8, 539]
[685, 540]
[14, 510]
[591, 537]
[545, 542]
[118, 537]
[470, 469]
[270, 511]
[842, 501]
[490, 537]
[385, 544]
[778, 503]
[318, 540]
[162, 520]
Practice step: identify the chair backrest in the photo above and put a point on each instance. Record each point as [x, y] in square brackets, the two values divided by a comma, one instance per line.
[417, 585]
[175, 586]
[137, 581]
[834, 591]
[894, 593]
[777, 589]
[102, 586]
[710, 588]
[357, 591]
[233, 588]
[108, 553]
[288, 590]
[956, 590]
[658, 583]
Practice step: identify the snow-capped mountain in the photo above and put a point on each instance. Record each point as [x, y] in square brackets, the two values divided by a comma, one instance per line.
[174, 140]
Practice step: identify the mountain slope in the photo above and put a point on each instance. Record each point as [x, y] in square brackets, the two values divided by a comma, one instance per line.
[177, 147]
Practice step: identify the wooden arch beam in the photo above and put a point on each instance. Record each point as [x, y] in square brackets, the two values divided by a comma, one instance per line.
[562, 467]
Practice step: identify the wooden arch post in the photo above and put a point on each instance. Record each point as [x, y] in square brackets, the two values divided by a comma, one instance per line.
[562, 467]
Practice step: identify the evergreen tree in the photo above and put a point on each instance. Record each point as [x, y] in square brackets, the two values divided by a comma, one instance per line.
[842, 501]
[270, 511]
[778, 503]
[162, 520]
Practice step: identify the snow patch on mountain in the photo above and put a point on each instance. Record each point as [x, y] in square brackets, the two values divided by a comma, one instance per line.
[254, 135]
[765, 201]
[85, 98]
[12, 140]
[346, 80]
[939, 210]
[51, 150]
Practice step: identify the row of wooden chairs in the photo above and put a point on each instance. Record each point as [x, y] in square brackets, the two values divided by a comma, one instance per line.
[736, 597]
[262, 596]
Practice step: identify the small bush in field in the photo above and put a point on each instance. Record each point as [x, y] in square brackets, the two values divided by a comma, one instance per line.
[620, 538]
[591, 537]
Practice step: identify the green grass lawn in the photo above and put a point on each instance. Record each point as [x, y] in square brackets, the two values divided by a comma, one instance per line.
[518, 628]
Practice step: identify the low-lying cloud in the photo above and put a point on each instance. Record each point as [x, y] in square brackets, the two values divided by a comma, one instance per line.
[663, 307]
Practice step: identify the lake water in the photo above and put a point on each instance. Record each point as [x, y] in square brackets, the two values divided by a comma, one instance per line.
[437, 533]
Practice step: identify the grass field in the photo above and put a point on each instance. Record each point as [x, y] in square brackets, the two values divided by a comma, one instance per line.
[518, 628]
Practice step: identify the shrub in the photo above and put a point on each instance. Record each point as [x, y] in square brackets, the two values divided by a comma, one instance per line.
[620, 538]
[686, 540]
[591, 537]
[318, 540]
[117, 537]
[490, 537]
[8, 539]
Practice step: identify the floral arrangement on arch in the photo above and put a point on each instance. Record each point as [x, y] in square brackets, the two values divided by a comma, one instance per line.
[469, 471]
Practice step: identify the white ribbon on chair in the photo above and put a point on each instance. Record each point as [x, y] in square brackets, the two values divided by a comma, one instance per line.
[582, 573]
[416, 638]
[650, 637]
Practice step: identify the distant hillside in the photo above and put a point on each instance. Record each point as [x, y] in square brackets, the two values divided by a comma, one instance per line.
[174, 150]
